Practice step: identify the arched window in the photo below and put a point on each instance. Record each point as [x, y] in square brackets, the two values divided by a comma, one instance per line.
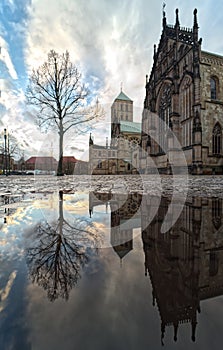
[216, 212]
[213, 83]
[164, 115]
[217, 139]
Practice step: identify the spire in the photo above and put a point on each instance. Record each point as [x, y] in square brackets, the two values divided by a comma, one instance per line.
[145, 269]
[162, 333]
[177, 24]
[193, 324]
[175, 330]
[154, 53]
[195, 27]
[154, 298]
[164, 15]
[195, 19]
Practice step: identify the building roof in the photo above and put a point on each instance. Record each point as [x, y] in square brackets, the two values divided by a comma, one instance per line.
[122, 251]
[69, 159]
[123, 97]
[131, 127]
[33, 160]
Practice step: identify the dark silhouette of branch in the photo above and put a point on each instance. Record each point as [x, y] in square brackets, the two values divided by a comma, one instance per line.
[58, 253]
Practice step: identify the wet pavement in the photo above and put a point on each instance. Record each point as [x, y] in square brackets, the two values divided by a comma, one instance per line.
[94, 267]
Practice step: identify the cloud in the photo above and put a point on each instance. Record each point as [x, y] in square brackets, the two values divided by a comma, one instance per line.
[111, 42]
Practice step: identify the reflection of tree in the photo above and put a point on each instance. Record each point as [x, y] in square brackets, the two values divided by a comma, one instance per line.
[59, 251]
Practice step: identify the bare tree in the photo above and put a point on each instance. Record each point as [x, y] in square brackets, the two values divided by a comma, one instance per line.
[56, 90]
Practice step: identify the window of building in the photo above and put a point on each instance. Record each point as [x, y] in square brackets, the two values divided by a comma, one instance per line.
[217, 139]
[127, 117]
[186, 98]
[99, 164]
[164, 117]
[216, 212]
[214, 87]
[126, 108]
[213, 263]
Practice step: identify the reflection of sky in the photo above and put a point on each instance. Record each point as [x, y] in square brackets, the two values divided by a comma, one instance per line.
[16, 234]
[111, 306]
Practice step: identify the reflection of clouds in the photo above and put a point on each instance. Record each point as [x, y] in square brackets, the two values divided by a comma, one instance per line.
[4, 292]
[81, 207]
[106, 300]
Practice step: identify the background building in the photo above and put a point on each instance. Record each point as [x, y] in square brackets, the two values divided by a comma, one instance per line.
[116, 158]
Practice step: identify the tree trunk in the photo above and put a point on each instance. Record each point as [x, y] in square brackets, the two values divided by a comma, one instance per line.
[60, 163]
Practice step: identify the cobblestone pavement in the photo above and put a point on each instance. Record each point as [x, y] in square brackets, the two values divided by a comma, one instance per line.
[204, 186]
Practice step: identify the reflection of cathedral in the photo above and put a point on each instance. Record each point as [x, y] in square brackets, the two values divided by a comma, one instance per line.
[185, 264]
[125, 136]
[125, 217]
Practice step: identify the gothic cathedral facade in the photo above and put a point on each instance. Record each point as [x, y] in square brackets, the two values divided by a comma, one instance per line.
[185, 90]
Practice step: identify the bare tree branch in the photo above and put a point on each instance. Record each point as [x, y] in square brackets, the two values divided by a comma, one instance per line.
[58, 94]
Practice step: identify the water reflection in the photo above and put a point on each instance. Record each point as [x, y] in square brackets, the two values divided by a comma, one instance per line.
[183, 269]
[58, 251]
[185, 265]
[125, 217]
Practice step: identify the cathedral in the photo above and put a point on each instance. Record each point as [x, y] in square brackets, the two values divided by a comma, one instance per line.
[116, 158]
[185, 91]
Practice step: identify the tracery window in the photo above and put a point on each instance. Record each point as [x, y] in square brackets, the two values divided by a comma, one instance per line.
[217, 139]
[186, 99]
[186, 102]
[213, 84]
[164, 117]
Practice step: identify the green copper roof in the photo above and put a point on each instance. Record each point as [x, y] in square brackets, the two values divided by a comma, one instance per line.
[131, 127]
[123, 97]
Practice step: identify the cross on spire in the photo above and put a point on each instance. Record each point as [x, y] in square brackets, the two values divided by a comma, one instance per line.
[164, 5]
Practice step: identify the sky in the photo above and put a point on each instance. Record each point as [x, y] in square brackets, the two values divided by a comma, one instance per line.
[111, 42]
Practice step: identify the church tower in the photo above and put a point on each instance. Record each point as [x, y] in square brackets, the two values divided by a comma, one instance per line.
[122, 109]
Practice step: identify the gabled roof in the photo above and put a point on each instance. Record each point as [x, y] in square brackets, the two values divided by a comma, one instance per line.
[123, 97]
[122, 251]
[132, 127]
